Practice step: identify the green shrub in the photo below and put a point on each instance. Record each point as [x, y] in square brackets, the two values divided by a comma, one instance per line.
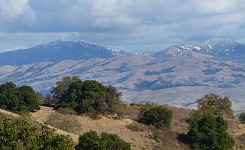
[209, 133]
[157, 116]
[241, 117]
[92, 141]
[25, 137]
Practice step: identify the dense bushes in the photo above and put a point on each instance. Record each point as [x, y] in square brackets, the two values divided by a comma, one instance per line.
[157, 116]
[26, 137]
[17, 99]
[86, 96]
[92, 141]
[209, 133]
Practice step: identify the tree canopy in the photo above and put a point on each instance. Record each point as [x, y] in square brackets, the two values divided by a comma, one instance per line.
[86, 96]
[209, 133]
[17, 99]
[213, 104]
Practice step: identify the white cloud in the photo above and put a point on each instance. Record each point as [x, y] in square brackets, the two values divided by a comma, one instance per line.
[11, 10]
[136, 24]
[215, 7]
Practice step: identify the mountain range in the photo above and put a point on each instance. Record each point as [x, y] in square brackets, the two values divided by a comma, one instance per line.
[177, 75]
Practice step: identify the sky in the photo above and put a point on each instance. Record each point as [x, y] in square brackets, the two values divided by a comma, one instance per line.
[129, 25]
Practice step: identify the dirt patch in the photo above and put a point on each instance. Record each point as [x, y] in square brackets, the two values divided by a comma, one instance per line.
[43, 114]
[8, 113]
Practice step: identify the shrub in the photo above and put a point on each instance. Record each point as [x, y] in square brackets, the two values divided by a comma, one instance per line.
[92, 141]
[145, 107]
[48, 140]
[241, 117]
[209, 133]
[26, 137]
[157, 116]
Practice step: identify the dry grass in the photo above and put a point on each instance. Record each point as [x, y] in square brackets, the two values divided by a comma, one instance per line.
[179, 120]
[64, 122]
[166, 139]
[132, 112]
[169, 139]
[140, 136]
[137, 127]
[81, 124]
[237, 131]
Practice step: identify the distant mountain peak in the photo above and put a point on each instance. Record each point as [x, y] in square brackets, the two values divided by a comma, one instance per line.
[57, 51]
[216, 48]
[54, 43]
[219, 43]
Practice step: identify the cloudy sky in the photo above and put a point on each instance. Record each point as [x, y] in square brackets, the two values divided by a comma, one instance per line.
[131, 25]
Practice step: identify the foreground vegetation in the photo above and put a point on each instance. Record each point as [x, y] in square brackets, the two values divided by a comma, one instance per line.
[25, 136]
[204, 128]
[92, 141]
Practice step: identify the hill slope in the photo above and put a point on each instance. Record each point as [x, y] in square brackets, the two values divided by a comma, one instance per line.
[140, 136]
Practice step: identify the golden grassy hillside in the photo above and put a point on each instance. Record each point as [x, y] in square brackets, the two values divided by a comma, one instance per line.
[139, 135]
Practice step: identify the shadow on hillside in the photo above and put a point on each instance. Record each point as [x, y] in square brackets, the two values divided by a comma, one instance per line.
[183, 138]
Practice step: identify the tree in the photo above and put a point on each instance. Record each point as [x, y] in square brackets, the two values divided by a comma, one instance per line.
[157, 116]
[241, 117]
[18, 99]
[86, 97]
[107, 102]
[49, 100]
[40, 97]
[28, 98]
[92, 141]
[62, 86]
[213, 104]
[209, 133]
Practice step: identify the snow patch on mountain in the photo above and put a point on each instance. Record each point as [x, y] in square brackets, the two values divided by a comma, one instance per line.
[215, 48]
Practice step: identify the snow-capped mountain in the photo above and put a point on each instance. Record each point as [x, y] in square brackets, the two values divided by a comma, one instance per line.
[216, 48]
[57, 51]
